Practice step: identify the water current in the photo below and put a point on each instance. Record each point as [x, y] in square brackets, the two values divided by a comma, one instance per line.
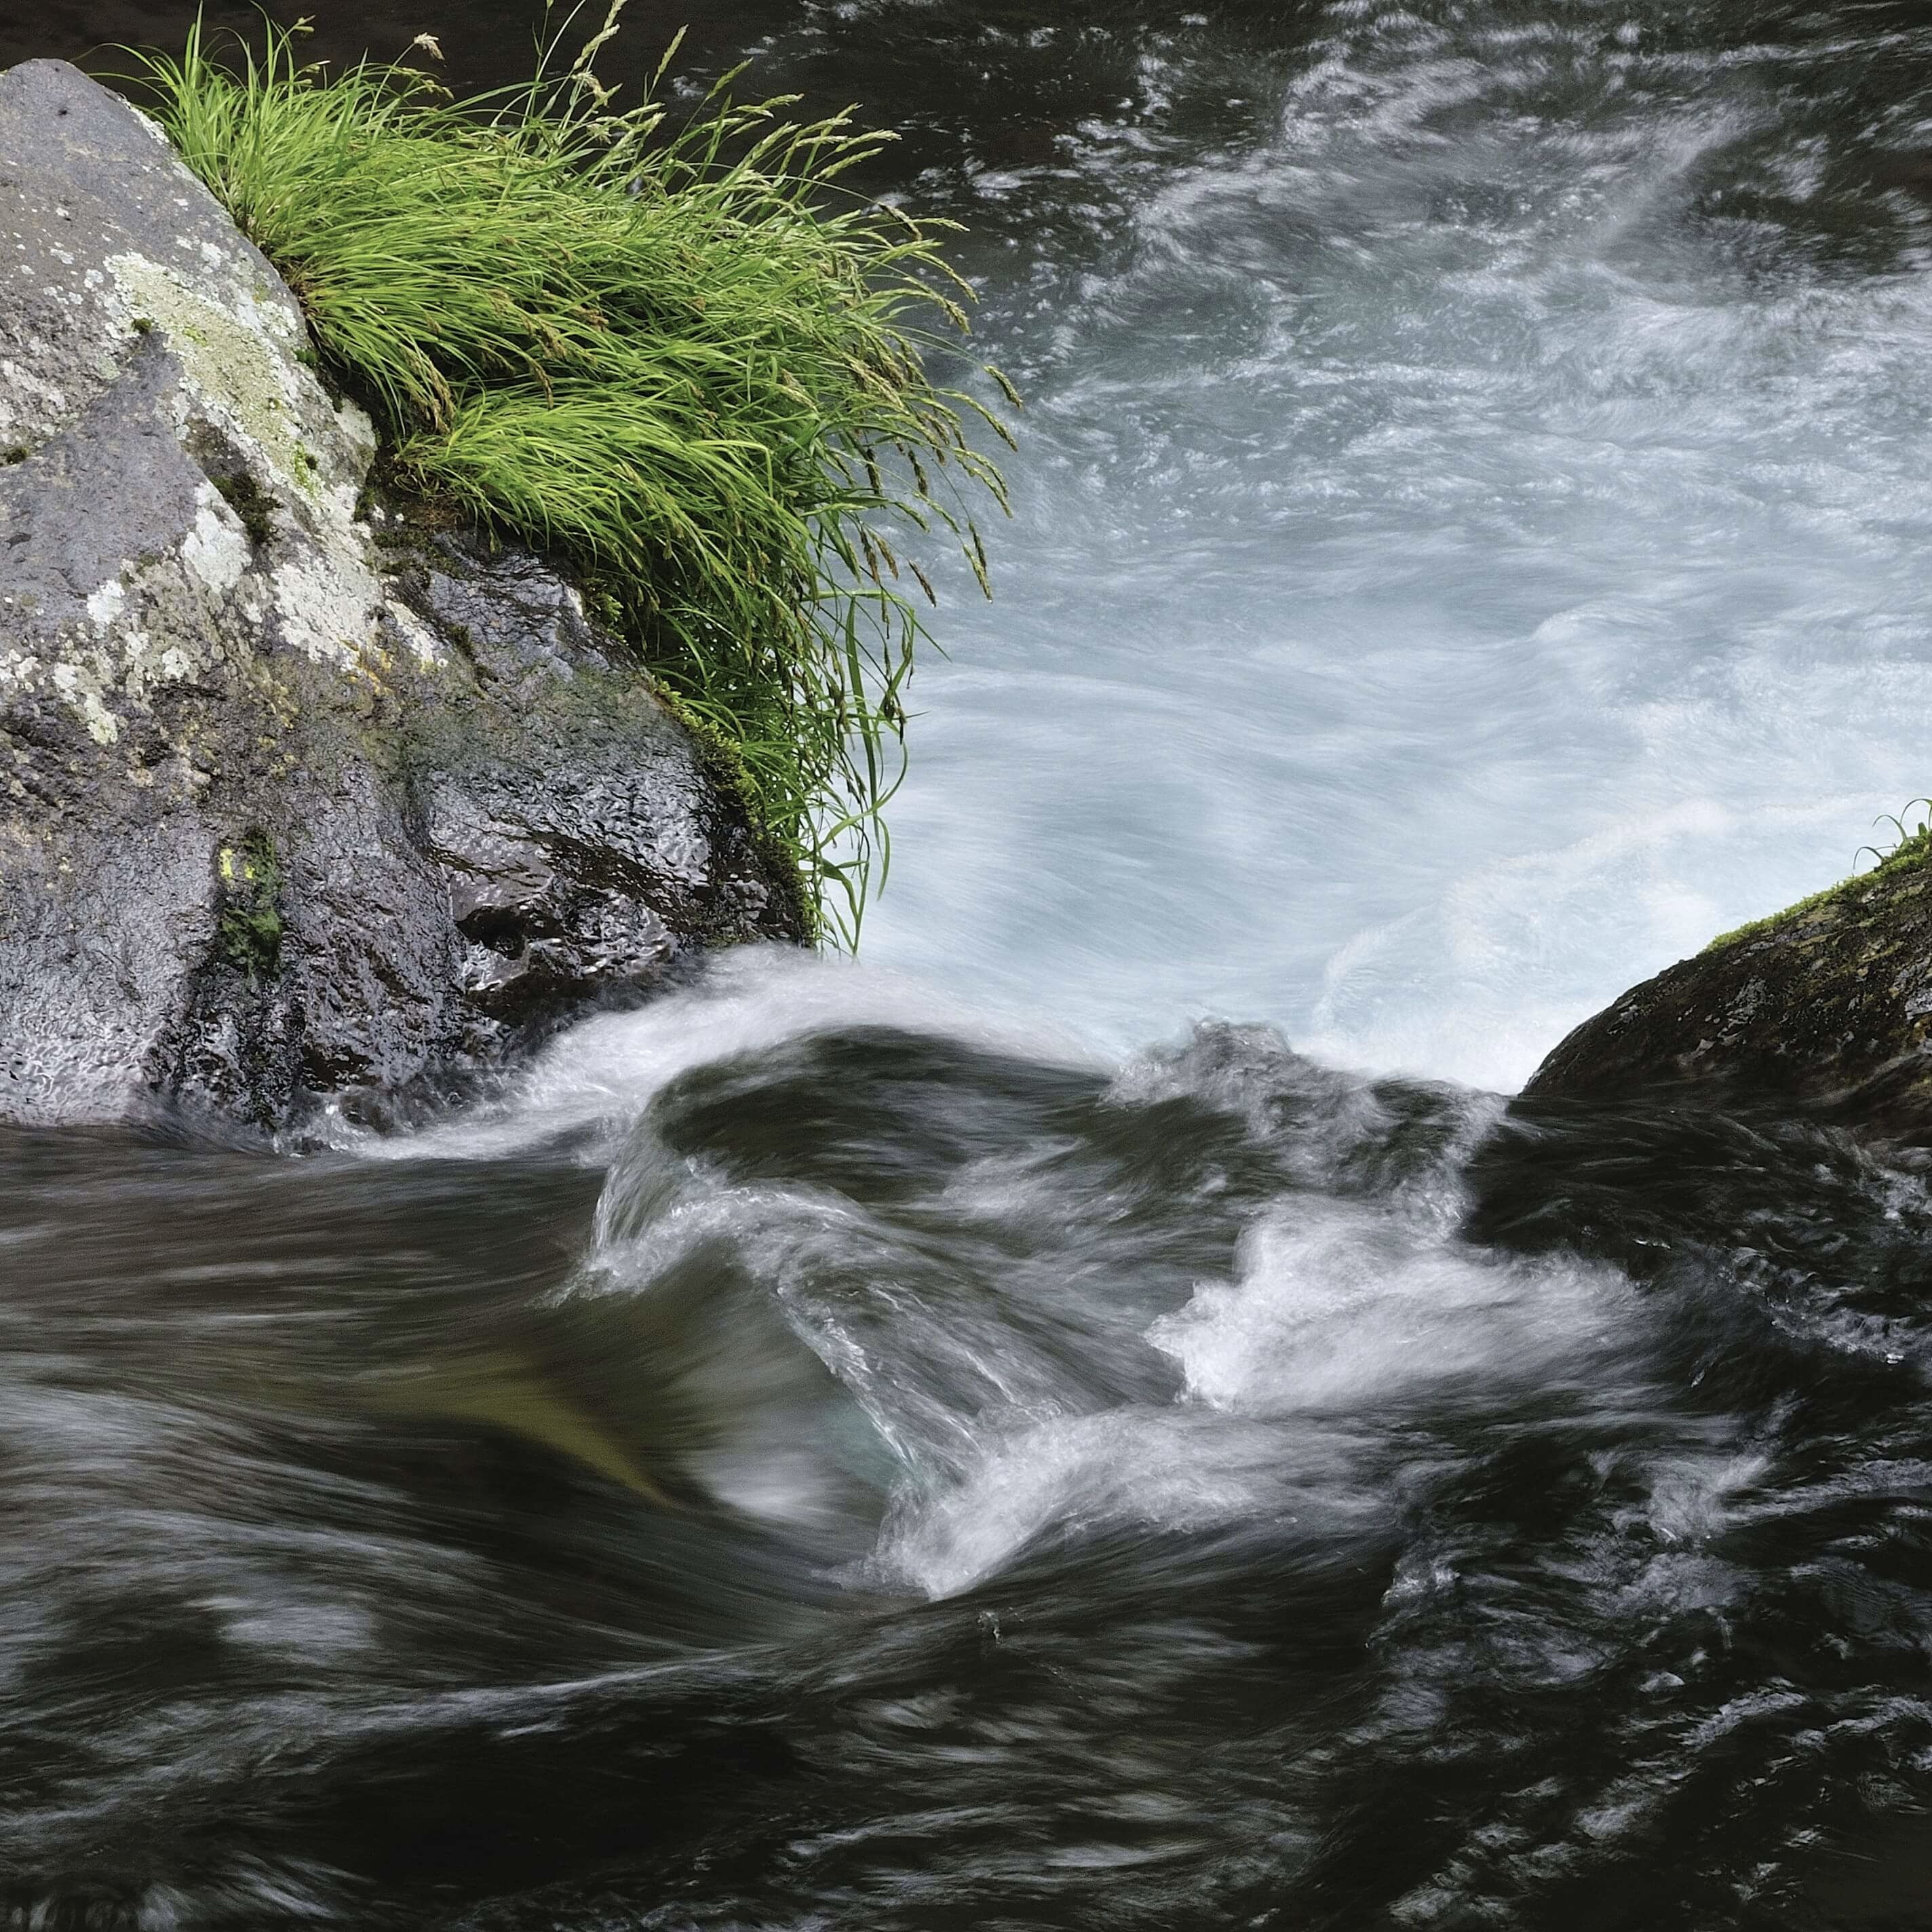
[999, 1437]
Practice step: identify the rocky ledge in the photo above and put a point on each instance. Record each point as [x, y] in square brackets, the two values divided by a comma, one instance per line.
[295, 801]
[1826, 1007]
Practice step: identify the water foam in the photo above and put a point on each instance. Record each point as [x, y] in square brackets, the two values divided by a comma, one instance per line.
[600, 1076]
[1337, 1310]
[1467, 551]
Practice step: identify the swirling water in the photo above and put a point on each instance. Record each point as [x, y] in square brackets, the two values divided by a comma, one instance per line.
[797, 1460]
[890, 1447]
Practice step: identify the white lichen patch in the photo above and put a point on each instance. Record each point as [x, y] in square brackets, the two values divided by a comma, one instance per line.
[250, 546]
[239, 372]
[424, 644]
[27, 400]
[102, 725]
[316, 583]
[82, 691]
[105, 604]
[328, 607]
[216, 550]
[169, 619]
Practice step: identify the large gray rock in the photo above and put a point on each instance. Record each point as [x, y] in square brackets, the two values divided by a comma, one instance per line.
[292, 802]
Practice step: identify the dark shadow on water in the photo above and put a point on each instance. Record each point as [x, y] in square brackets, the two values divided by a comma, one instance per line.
[485, 43]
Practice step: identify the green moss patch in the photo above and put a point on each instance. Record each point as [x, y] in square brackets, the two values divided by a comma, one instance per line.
[250, 930]
[251, 503]
[1913, 851]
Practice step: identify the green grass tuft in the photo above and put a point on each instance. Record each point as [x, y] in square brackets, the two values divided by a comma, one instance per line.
[683, 357]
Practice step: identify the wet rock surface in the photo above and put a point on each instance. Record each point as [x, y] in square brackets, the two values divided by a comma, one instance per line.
[1827, 1005]
[293, 802]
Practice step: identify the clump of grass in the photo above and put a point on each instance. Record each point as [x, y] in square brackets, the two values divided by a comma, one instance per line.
[685, 357]
[1914, 843]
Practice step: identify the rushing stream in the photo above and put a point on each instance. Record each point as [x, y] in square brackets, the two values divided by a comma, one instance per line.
[887, 1448]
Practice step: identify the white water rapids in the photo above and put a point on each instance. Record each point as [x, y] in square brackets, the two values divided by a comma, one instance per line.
[1471, 538]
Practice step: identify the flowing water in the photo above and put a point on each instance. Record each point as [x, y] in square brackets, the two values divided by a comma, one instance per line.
[899, 1447]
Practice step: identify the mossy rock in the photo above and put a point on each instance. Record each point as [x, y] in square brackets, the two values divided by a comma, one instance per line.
[1825, 1006]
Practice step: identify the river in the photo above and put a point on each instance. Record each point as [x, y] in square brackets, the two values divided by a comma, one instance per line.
[1104, 1415]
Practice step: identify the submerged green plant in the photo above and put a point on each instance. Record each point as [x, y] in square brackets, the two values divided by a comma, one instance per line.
[685, 357]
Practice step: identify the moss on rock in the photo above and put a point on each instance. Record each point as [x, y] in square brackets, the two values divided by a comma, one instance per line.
[1826, 1005]
[250, 879]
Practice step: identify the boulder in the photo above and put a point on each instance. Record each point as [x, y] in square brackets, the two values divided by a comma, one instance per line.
[1826, 1008]
[296, 799]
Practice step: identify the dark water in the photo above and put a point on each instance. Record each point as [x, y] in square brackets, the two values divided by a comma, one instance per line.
[810, 1455]
[795, 1461]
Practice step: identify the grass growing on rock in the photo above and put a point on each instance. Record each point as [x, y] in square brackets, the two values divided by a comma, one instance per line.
[1911, 850]
[685, 357]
